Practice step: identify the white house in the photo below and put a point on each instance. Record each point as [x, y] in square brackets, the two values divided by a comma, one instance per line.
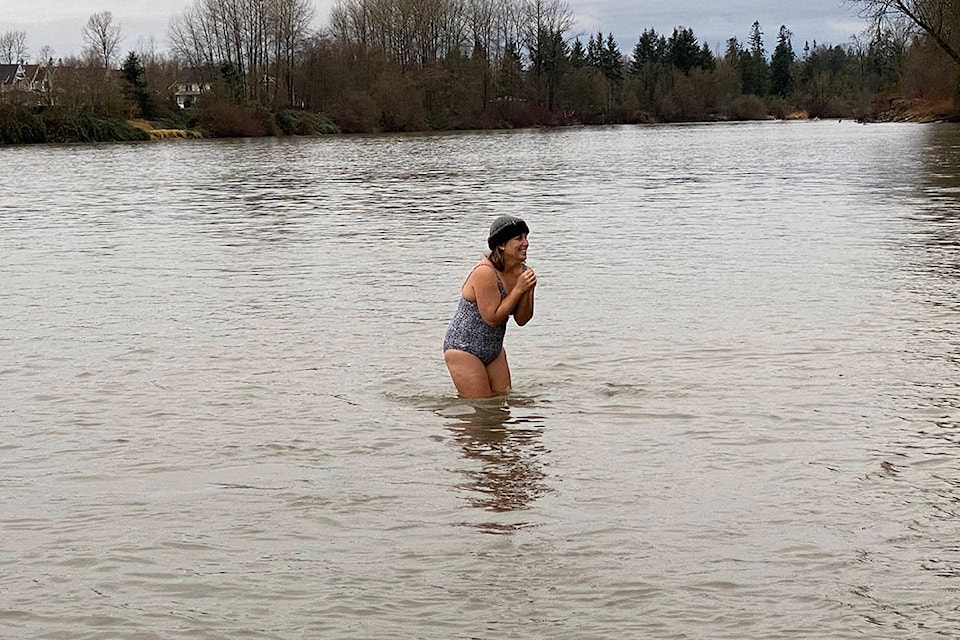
[189, 89]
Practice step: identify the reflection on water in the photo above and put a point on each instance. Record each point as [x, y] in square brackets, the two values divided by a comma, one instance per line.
[918, 484]
[933, 247]
[505, 472]
[938, 219]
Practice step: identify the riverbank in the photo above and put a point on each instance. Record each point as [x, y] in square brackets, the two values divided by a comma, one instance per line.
[22, 125]
[156, 133]
[900, 109]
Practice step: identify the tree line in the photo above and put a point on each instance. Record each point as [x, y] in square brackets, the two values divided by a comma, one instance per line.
[402, 65]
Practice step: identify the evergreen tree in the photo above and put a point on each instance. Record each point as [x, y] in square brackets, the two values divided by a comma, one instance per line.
[549, 60]
[707, 62]
[134, 76]
[613, 60]
[133, 71]
[511, 72]
[604, 54]
[683, 52]
[650, 49]
[734, 54]
[232, 80]
[781, 65]
[756, 41]
[578, 55]
[754, 70]
[595, 51]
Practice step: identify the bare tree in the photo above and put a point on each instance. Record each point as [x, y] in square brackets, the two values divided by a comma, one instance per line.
[254, 43]
[547, 16]
[289, 21]
[45, 56]
[102, 38]
[13, 47]
[148, 51]
[939, 19]
[420, 33]
[480, 20]
[194, 40]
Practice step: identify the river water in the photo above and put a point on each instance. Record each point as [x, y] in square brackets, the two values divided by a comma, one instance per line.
[736, 412]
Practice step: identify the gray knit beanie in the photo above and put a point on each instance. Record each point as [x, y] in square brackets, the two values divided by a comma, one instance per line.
[504, 228]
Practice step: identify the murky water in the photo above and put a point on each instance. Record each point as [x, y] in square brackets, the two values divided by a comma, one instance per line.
[736, 412]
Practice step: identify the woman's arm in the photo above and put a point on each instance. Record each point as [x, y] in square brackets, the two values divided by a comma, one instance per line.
[524, 309]
[493, 309]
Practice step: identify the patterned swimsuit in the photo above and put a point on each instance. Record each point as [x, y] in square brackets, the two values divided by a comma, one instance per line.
[468, 332]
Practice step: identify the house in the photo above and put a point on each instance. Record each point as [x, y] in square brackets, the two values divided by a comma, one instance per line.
[25, 83]
[189, 88]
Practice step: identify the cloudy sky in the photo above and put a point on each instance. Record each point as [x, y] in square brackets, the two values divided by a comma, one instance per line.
[58, 23]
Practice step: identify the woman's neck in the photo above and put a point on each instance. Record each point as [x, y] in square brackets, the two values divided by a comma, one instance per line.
[511, 266]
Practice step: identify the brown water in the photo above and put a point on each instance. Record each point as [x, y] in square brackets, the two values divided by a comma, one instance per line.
[736, 412]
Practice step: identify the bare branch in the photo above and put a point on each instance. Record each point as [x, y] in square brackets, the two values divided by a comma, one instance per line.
[13, 47]
[938, 19]
[102, 38]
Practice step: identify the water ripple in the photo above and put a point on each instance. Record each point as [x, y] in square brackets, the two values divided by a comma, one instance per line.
[735, 416]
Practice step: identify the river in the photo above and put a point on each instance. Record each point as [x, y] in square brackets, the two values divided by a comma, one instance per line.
[736, 412]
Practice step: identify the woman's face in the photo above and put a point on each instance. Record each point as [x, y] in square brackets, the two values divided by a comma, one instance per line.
[516, 247]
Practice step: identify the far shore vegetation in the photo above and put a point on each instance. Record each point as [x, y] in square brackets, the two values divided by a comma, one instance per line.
[245, 68]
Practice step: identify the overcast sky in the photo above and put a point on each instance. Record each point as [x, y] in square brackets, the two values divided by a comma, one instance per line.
[58, 23]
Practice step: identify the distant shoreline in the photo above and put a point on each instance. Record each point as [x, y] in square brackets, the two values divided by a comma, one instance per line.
[85, 129]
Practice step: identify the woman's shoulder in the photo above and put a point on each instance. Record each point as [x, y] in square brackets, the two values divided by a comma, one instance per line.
[484, 264]
[485, 271]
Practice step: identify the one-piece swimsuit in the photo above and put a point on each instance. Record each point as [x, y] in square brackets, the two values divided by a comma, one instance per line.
[468, 331]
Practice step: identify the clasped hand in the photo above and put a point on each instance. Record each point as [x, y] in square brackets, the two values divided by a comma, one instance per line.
[527, 280]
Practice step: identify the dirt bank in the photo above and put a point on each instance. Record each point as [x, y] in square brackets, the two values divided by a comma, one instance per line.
[898, 109]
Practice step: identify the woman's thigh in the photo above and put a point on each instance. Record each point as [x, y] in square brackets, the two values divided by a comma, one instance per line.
[498, 374]
[468, 374]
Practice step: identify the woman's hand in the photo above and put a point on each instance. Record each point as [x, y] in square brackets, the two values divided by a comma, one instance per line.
[495, 310]
[526, 281]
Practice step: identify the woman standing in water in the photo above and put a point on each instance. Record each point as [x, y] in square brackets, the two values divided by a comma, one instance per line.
[499, 286]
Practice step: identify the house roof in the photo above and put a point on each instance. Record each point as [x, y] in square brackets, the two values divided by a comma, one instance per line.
[11, 73]
[8, 72]
[196, 75]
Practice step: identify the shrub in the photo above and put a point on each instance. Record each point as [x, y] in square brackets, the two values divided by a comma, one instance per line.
[779, 108]
[747, 107]
[516, 114]
[58, 124]
[401, 106]
[178, 119]
[304, 123]
[288, 122]
[229, 120]
[20, 125]
[356, 112]
[831, 107]
[89, 128]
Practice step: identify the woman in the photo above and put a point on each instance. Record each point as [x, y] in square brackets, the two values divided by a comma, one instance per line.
[499, 286]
